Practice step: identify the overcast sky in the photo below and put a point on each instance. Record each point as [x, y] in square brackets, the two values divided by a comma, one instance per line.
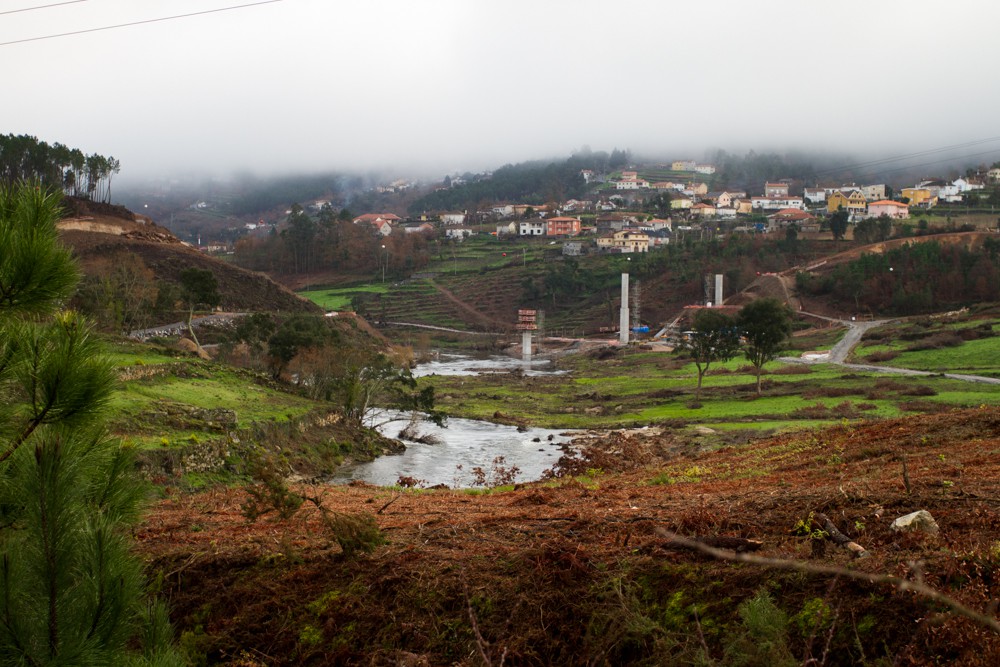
[453, 85]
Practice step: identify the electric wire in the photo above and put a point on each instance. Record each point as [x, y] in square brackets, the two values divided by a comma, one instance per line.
[31, 9]
[142, 22]
[897, 158]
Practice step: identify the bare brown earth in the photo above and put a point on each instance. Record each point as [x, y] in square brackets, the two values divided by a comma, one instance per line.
[574, 571]
[109, 235]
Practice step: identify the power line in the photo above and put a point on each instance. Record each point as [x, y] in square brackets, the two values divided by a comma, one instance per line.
[924, 164]
[907, 156]
[31, 9]
[145, 21]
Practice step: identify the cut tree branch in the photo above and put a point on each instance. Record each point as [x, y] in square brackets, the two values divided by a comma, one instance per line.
[899, 584]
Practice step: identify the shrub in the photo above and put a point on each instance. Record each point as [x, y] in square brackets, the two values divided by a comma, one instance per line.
[923, 406]
[882, 356]
[918, 390]
[936, 342]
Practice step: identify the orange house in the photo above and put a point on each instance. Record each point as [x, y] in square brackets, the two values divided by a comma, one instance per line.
[563, 226]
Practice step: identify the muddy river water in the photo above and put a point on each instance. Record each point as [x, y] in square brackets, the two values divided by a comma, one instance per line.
[465, 443]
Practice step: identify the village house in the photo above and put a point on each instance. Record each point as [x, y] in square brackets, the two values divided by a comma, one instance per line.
[776, 203]
[382, 222]
[993, 175]
[892, 209]
[418, 227]
[614, 222]
[458, 233]
[919, 197]
[577, 205]
[667, 185]
[507, 229]
[503, 211]
[854, 202]
[789, 216]
[703, 210]
[532, 228]
[697, 189]
[660, 237]
[655, 225]
[743, 206]
[776, 189]
[707, 169]
[683, 165]
[968, 184]
[573, 248]
[372, 218]
[562, 226]
[814, 195]
[453, 218]
[873, 192]
[624, 241]
[681, 203]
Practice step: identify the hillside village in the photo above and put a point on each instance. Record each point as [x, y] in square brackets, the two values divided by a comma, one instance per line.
[630, 212]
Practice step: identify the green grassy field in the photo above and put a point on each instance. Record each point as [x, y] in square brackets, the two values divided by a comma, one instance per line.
[339, 298]
[937, 347]
[161, 400]
[636, 389]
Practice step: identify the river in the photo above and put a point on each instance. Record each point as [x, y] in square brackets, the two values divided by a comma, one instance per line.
[465, 443]
[457, 364]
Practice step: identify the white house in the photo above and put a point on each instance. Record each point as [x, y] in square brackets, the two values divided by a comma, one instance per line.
[453, 218]
[815, 195]
[705, 168]
[504, 211]
[777, 203]
[458, 233]
[532, 228]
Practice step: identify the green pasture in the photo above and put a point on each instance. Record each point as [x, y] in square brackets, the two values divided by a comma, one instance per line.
[154, 411]
[650, 388]
[973, 357]
[123, 353]
[339, 298]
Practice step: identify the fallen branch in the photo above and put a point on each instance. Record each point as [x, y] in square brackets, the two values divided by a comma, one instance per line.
[737, 544]
[917, 587]
[838, 537]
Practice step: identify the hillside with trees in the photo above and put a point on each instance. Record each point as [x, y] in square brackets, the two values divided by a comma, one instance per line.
[25, 158]
[533, 182]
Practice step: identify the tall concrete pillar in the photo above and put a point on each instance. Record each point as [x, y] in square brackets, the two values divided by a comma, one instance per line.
[623, 315]
[526, 345]
[718, 289]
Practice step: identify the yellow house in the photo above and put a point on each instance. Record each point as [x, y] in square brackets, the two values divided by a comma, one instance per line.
[920, 197]
[625, 241]
[854, 202]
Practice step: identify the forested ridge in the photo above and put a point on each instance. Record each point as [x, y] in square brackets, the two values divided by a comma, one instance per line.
[26, 158]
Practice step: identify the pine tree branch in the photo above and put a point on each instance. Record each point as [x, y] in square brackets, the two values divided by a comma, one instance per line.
[904, 585]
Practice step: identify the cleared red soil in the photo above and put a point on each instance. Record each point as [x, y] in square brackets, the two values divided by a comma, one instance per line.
[574, 571]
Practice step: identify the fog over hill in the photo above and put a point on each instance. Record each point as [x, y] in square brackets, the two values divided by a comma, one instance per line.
[430, 88]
